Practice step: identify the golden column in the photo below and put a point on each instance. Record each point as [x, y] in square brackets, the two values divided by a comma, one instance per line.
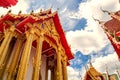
[64, 67]
[25, 55]
[15, 60]
[9, 33]
[59, 65]
[37, 58]
[7, 59]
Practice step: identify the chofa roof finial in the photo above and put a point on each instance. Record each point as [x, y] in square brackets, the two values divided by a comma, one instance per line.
[97, 20]
[105, 11]
[31, 13]
[20, 12]
[9, 11]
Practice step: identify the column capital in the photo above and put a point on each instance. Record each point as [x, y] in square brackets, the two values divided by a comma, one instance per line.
[64, 58]
[41, 34]
[59, 48]
[12, 28]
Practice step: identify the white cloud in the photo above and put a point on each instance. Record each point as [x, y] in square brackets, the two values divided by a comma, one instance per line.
[86, 41]
[72, 73]
[111, 61]
[92, 38]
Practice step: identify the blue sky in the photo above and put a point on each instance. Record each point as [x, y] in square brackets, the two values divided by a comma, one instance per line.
[87, 39]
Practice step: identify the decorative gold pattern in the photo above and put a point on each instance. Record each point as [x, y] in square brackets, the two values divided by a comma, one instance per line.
[39, 32]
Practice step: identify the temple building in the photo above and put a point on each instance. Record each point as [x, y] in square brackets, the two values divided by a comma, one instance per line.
[93, 74]
[112, 29]
[33, 47]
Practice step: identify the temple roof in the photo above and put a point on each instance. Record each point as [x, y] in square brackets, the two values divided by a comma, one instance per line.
[113, 25]
[21, 19]
[112, 30]
[92, 74]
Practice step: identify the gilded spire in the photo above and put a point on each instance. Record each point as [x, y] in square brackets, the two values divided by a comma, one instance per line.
[86, 67]
[117, 70]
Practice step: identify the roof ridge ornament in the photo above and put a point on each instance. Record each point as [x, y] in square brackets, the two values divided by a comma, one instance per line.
[117, 70]
[51, 6]
[19, 12]
[100, 22]
[107, 69]
[86, 67]
[105, 11]
[31, 13]
[1, 16]
[9, 11]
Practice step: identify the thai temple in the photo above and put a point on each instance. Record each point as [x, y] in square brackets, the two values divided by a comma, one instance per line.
[112, 30]
[33, 47]
[93, 74]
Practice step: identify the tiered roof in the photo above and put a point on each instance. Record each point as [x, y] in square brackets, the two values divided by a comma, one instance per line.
[93, 74]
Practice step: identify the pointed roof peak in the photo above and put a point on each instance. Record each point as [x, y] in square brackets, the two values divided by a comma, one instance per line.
[105, 11]
[99, 21]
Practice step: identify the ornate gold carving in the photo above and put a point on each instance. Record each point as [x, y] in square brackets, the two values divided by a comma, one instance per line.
[25, 56]
[15, 60]
[64, 68]
[59, 64]
[37, 58]
[9, 33]
[6, 59]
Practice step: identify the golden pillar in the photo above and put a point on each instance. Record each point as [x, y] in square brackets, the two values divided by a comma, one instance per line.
[64, 67]
[25, 56]
[7, 58]
[15, 60]
[9, 33]
[37, 58]
[59, 65]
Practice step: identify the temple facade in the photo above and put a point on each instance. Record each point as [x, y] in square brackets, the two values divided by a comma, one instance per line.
[33, 47]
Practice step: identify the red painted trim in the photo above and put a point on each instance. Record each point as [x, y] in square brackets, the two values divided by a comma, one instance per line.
[62, 37]
[8, 3]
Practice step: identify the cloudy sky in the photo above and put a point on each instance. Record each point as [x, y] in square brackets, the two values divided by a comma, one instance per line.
[86, 37]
